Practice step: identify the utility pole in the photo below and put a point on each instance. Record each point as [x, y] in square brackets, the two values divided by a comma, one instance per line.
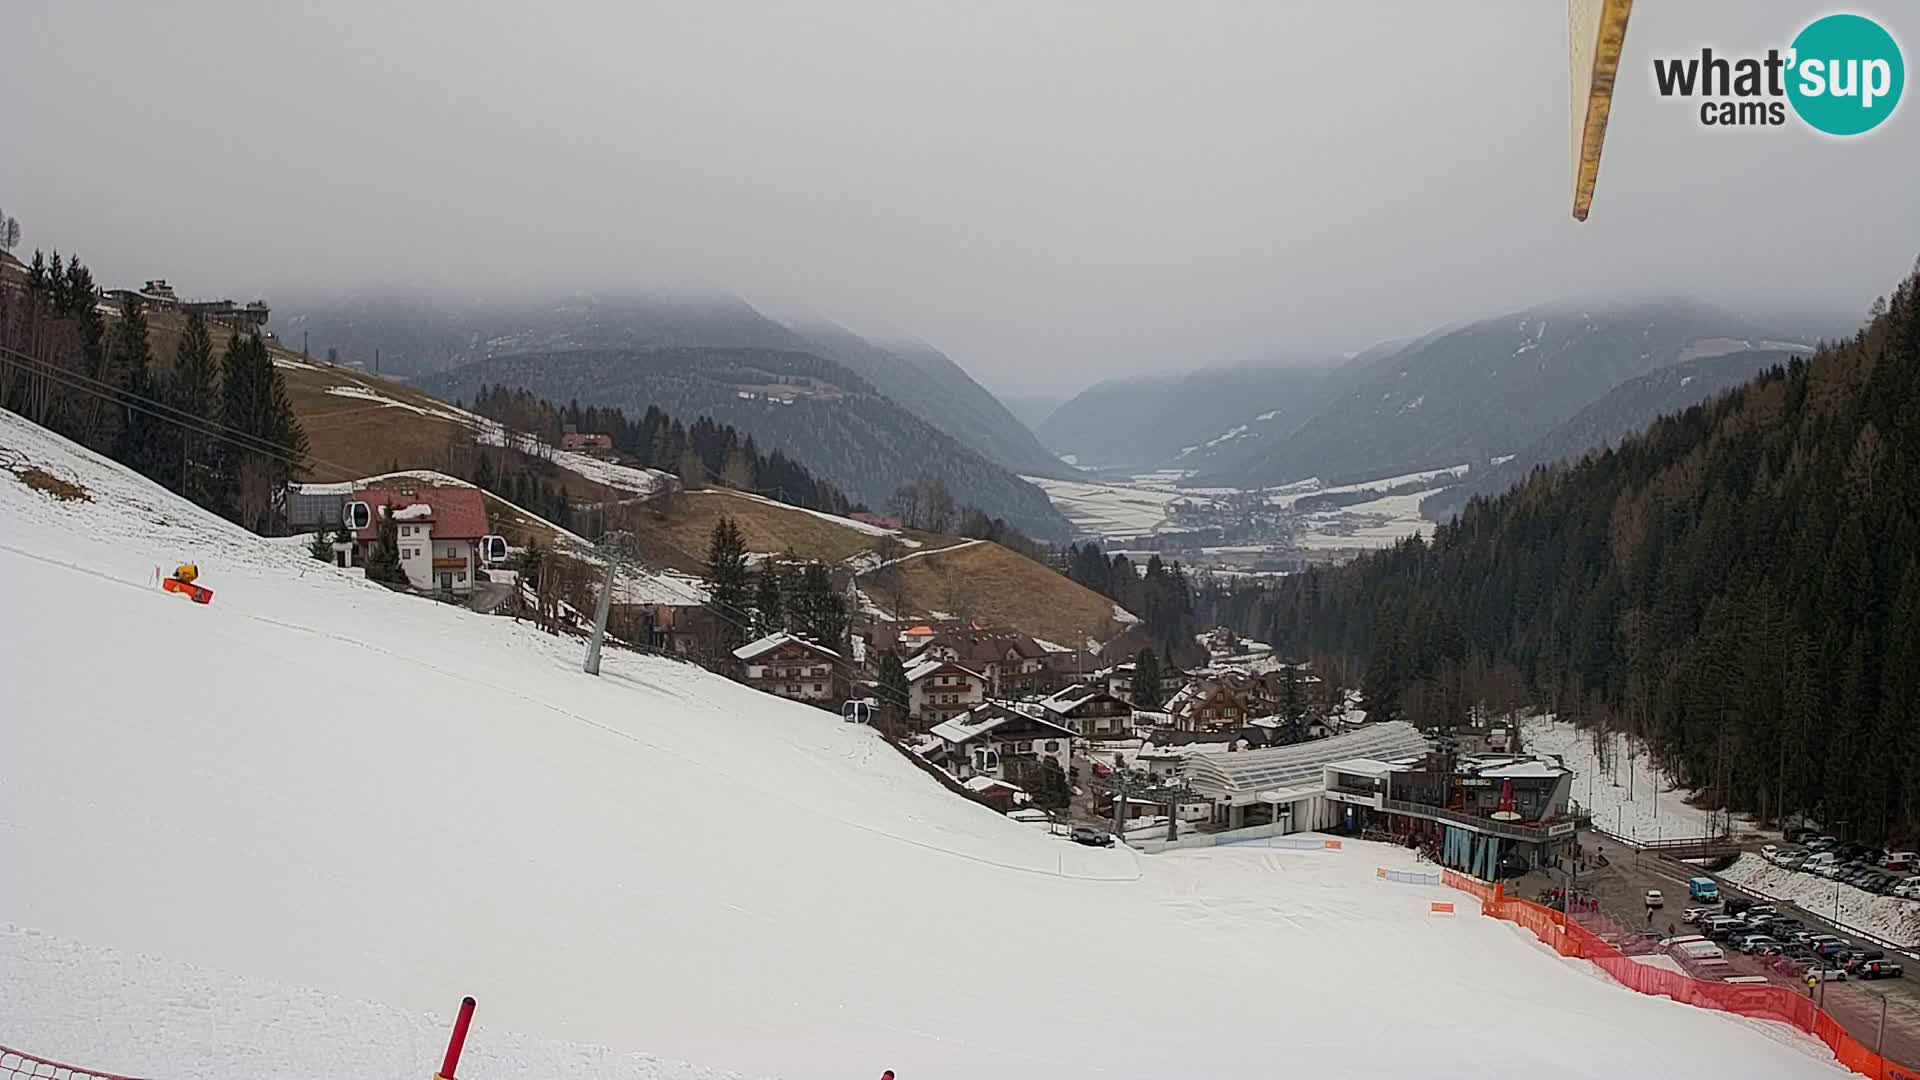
[600, 622]
[615, 547]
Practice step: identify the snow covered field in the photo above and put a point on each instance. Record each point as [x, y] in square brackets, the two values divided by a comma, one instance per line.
[1622, 795]
[1890, 918]
[1108, 509]
[1377, 523]
[1142, 507]
[284, 833]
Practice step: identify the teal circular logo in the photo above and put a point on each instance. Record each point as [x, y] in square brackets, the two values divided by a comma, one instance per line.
[1846, 74]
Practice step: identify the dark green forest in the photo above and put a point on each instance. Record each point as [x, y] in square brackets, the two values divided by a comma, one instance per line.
[218, 430]
[697, 452]
[1739, 585]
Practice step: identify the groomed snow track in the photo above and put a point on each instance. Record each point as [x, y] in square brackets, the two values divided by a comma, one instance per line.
[282, 834]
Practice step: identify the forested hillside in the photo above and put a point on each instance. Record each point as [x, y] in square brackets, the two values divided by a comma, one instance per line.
[695, 452]
[927, 383]
[1491, 388]
[1625, 409]
[1147, 421]
[813, 409]
[1740, 584]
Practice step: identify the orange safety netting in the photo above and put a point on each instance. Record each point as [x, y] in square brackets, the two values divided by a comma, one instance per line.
[1779, 1003]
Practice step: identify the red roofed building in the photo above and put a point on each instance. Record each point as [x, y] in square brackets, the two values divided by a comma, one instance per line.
[439, 532]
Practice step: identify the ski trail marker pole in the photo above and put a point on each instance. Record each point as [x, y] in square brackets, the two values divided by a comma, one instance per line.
[459, 1040]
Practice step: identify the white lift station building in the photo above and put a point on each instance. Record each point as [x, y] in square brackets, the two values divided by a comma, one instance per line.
[1286, 786]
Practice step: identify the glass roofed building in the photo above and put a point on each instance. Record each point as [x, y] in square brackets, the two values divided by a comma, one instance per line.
[1287, 784]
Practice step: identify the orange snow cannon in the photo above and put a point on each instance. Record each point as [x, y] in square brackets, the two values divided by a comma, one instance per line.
[183, 582]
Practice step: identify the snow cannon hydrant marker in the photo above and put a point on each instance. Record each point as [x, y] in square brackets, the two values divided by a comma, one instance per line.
[182, 581]
[457, 1042]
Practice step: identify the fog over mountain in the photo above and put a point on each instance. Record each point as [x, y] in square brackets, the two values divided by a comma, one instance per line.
[1051, 194]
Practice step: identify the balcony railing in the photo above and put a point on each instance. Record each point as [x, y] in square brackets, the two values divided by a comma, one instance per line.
[1511, 830]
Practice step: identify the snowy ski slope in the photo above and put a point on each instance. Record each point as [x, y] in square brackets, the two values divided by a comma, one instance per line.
[283, 834]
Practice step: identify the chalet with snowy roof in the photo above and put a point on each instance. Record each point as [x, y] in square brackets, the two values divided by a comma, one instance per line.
[1207, 704]
[1090, 712]
[439, 530]
[997, 794]
[1120, 681]
[1003, 743]
[663, 609]
[1014, 663]
[938, 690]
[790, 667]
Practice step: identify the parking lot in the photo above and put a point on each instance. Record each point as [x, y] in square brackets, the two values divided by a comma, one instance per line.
[1620, 889]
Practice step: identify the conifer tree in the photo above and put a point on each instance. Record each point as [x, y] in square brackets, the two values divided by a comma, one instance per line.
[726, 579]
[769, 615]
[139, 443]
[194, 389]
[1147, 690]
[892, 688]
[383, 561]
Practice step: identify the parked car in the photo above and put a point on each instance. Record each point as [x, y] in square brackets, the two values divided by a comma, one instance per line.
[1092, 836]
[1793, 860]
[1748, 943]
[1693, 915]
[1879, 969]
[1900, 860]
[1772, 948]
[1721, 929]
[1654, 899]
[1736, 905]
[1825, 974]
[1830, 951]
[1770, 852]
[1864, 956]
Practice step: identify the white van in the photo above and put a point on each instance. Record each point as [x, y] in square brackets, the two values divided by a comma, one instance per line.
[1748, 980]
[1701, 951]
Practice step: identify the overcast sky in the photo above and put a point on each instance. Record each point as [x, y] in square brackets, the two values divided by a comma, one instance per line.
[1051, 192]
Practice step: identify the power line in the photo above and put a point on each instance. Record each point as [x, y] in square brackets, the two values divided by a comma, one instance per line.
[160, 410]
[252, 443]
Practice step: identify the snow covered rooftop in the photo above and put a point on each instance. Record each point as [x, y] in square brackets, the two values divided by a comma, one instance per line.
[926, 666]
[416, 512]
[1361, 767]
[771, 642]
[986, 718]
[1245, 773]
[987, 783]
[1524, 770]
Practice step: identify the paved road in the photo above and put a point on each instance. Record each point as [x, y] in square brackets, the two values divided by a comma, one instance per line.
[1621, 889]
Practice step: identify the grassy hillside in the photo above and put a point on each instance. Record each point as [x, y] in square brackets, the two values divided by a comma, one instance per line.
[993, 586]
[379, 424]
